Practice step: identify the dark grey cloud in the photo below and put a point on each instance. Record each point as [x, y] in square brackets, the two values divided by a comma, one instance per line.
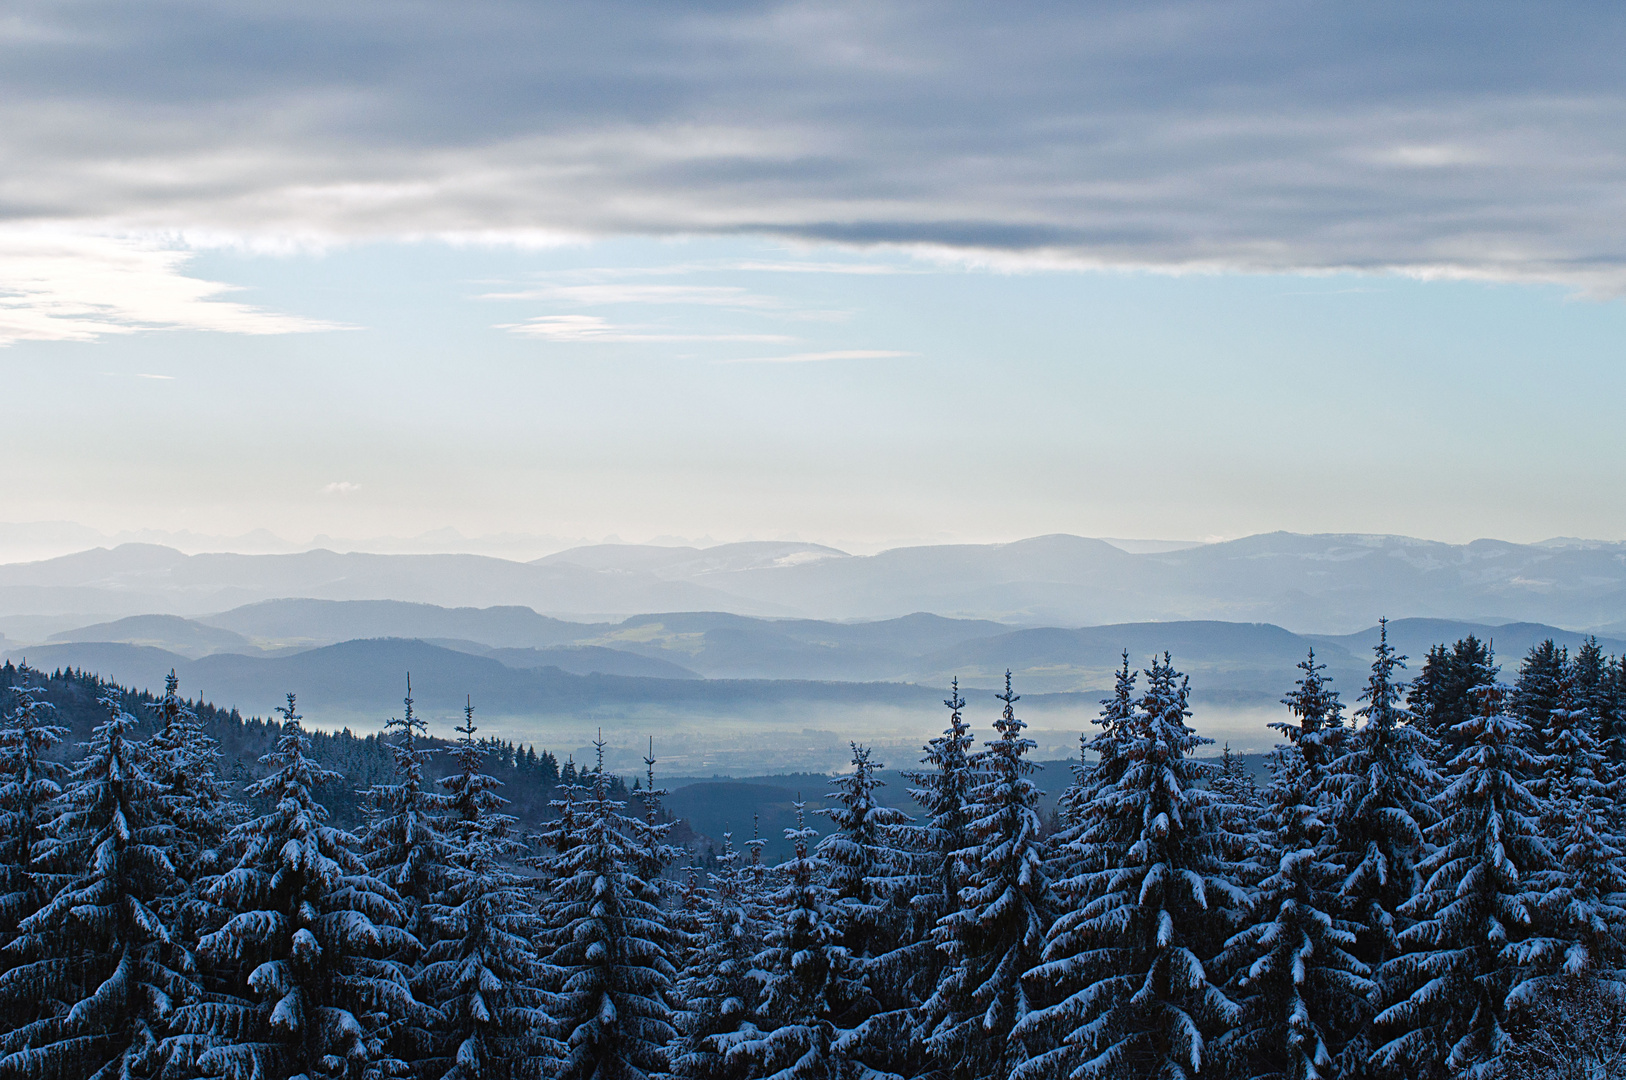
[1485, 139]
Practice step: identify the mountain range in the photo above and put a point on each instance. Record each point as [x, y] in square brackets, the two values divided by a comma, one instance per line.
[745, 658]
[518, 663]
[1327, 584]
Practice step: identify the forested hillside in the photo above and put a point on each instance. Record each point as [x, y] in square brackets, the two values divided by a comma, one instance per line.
[1431, 883]
[78, 702]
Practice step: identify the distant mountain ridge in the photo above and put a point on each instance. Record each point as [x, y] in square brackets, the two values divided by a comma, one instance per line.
[695, 662]
[367, 676]
[1328, 584]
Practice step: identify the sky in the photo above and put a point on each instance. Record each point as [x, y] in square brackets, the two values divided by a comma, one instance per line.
[863, 274]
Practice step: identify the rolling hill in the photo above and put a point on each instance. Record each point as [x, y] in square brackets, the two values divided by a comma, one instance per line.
[1325, 584]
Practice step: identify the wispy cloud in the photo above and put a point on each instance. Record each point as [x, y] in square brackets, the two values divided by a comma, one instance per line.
[340, 487]
[792, 267]
[65, 285]
[594, 328]
[608, 294]
[903, 262]
[815, 357]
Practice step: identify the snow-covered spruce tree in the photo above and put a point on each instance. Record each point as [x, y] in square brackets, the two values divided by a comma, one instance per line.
[403, 844]
[561, 832]
[309, 989]
[1598, 689]
[1071, 853]
[1442, 696]
[29, 784]
[609, 948]
[1237, 797]
[717, 993]
[1299, 986]
[1125, 975]
[1074, 854]
[656, 853]
[998, 932]
[1541, 680]
[480, 970]
[1612, 712]
[1317, 730]
[1380, 790]
[755, 889]
[1582, 902]
[1088, 843]
[1450, 987]
[863, 860]
[184, 761]
[929, 889]
[99, 952]
[471, 806]
[808, 979]
[860, 854]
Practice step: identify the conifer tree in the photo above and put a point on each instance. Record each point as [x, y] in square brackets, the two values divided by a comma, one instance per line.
[99, 952]
[1583, 892]
[403, 842]
[718, 996]
[1612, 712]
[1079, 847]
[997, 934]
[1541, 680]
[480, 970]
[1317, 730]
[859, 853]
[1237, 798]
[930, 889]
[29, 784]
[1442, 696]
[1125, 974]
[309, 991]
[562, 831]
[656, 854]
[808, 978]
[1598, 690]
[755, 877]
[1299, 985]
[609, 961]
[1380, 790]
[184, 761]
[1462, 956]
[1083, 848]
[862, 861]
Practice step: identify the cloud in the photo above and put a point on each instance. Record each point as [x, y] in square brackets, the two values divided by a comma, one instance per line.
[601, 295]
[340, 487]
[1430, 140]
[814, 357]
[593, 328]
[63, 285]
[792, 267]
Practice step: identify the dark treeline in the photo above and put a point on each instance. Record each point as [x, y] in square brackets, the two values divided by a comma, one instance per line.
[528, 774]
[1431, 886]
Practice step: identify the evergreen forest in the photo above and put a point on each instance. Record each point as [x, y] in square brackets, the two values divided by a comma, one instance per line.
[1431, 883]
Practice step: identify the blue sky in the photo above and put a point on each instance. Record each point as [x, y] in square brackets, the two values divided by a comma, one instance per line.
[865, 274]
